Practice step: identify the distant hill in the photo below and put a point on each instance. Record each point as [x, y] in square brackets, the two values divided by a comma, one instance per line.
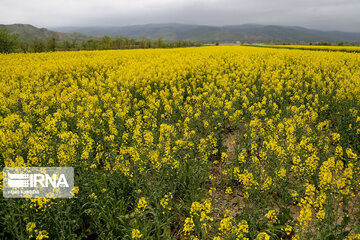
[28, 32]
[247, 32]
[174, 31]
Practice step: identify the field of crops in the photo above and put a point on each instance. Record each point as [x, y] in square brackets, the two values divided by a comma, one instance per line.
[354, 49]
[222, 142]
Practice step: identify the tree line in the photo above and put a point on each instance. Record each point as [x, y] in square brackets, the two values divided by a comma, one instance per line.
[11, 43]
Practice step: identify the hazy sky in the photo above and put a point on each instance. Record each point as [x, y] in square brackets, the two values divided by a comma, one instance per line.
[318, 14]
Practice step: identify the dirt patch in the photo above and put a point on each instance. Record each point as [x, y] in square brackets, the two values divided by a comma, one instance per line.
[230, 138]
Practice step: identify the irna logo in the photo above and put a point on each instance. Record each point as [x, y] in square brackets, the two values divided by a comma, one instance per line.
[38, 182]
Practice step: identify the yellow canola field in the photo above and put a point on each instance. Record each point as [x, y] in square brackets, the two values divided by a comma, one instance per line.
[223, 142]
[355, 49]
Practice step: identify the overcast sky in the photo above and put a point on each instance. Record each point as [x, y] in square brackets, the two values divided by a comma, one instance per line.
[317, 14]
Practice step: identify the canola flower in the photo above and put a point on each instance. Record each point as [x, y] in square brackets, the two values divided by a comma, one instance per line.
[271, 215]
[136, 234]
[30, 226]
[242, 230]
[263, 236]
[228, 191]
[142, 204]
[226, 223]
[188, 226]
[318, 48]
[164, 202]
[42, 235]
[292, 117]
[287, 229]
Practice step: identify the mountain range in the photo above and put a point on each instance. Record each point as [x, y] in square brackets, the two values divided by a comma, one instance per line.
[27, 32]
[201, 33]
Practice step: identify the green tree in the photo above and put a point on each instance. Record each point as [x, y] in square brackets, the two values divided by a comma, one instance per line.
[74, 45]
[142, 42]
[126, 43]
[66, 45]
[148, 44]
[131, 43]
[105, 42]
[24, 46]
[51, 43]
[38, 45]
[179, 43]
[8, 42]
[90, 44]
[118, 42]
[159, 43]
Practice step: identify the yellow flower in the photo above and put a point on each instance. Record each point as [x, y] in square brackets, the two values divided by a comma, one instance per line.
[242, 230]
[30, 226]
[75, 191]
[287, 229]
[271, 215]
[42, 234]
[305, 216]
[212, 177]
[188, 226]
[164, 202]
[93, 196]
[225, 225]
[142, 204]
[321, 215]
[338, 151]
[228, 191]
[335, 137]
[224, 157]
[281, 173]
[211, 191]
[263, 236]
[136, 234]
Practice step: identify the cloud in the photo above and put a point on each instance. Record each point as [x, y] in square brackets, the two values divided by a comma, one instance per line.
[317, 14]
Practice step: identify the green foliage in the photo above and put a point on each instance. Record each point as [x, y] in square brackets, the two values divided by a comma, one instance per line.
[38, 45]
[8, 42]
[159, 43]
[41, 43]
[66, 45]
[25, 47]
[51, 44]
[105, 43]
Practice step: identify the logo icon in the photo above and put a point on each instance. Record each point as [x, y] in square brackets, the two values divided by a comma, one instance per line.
[38, 182]
[18, 180]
